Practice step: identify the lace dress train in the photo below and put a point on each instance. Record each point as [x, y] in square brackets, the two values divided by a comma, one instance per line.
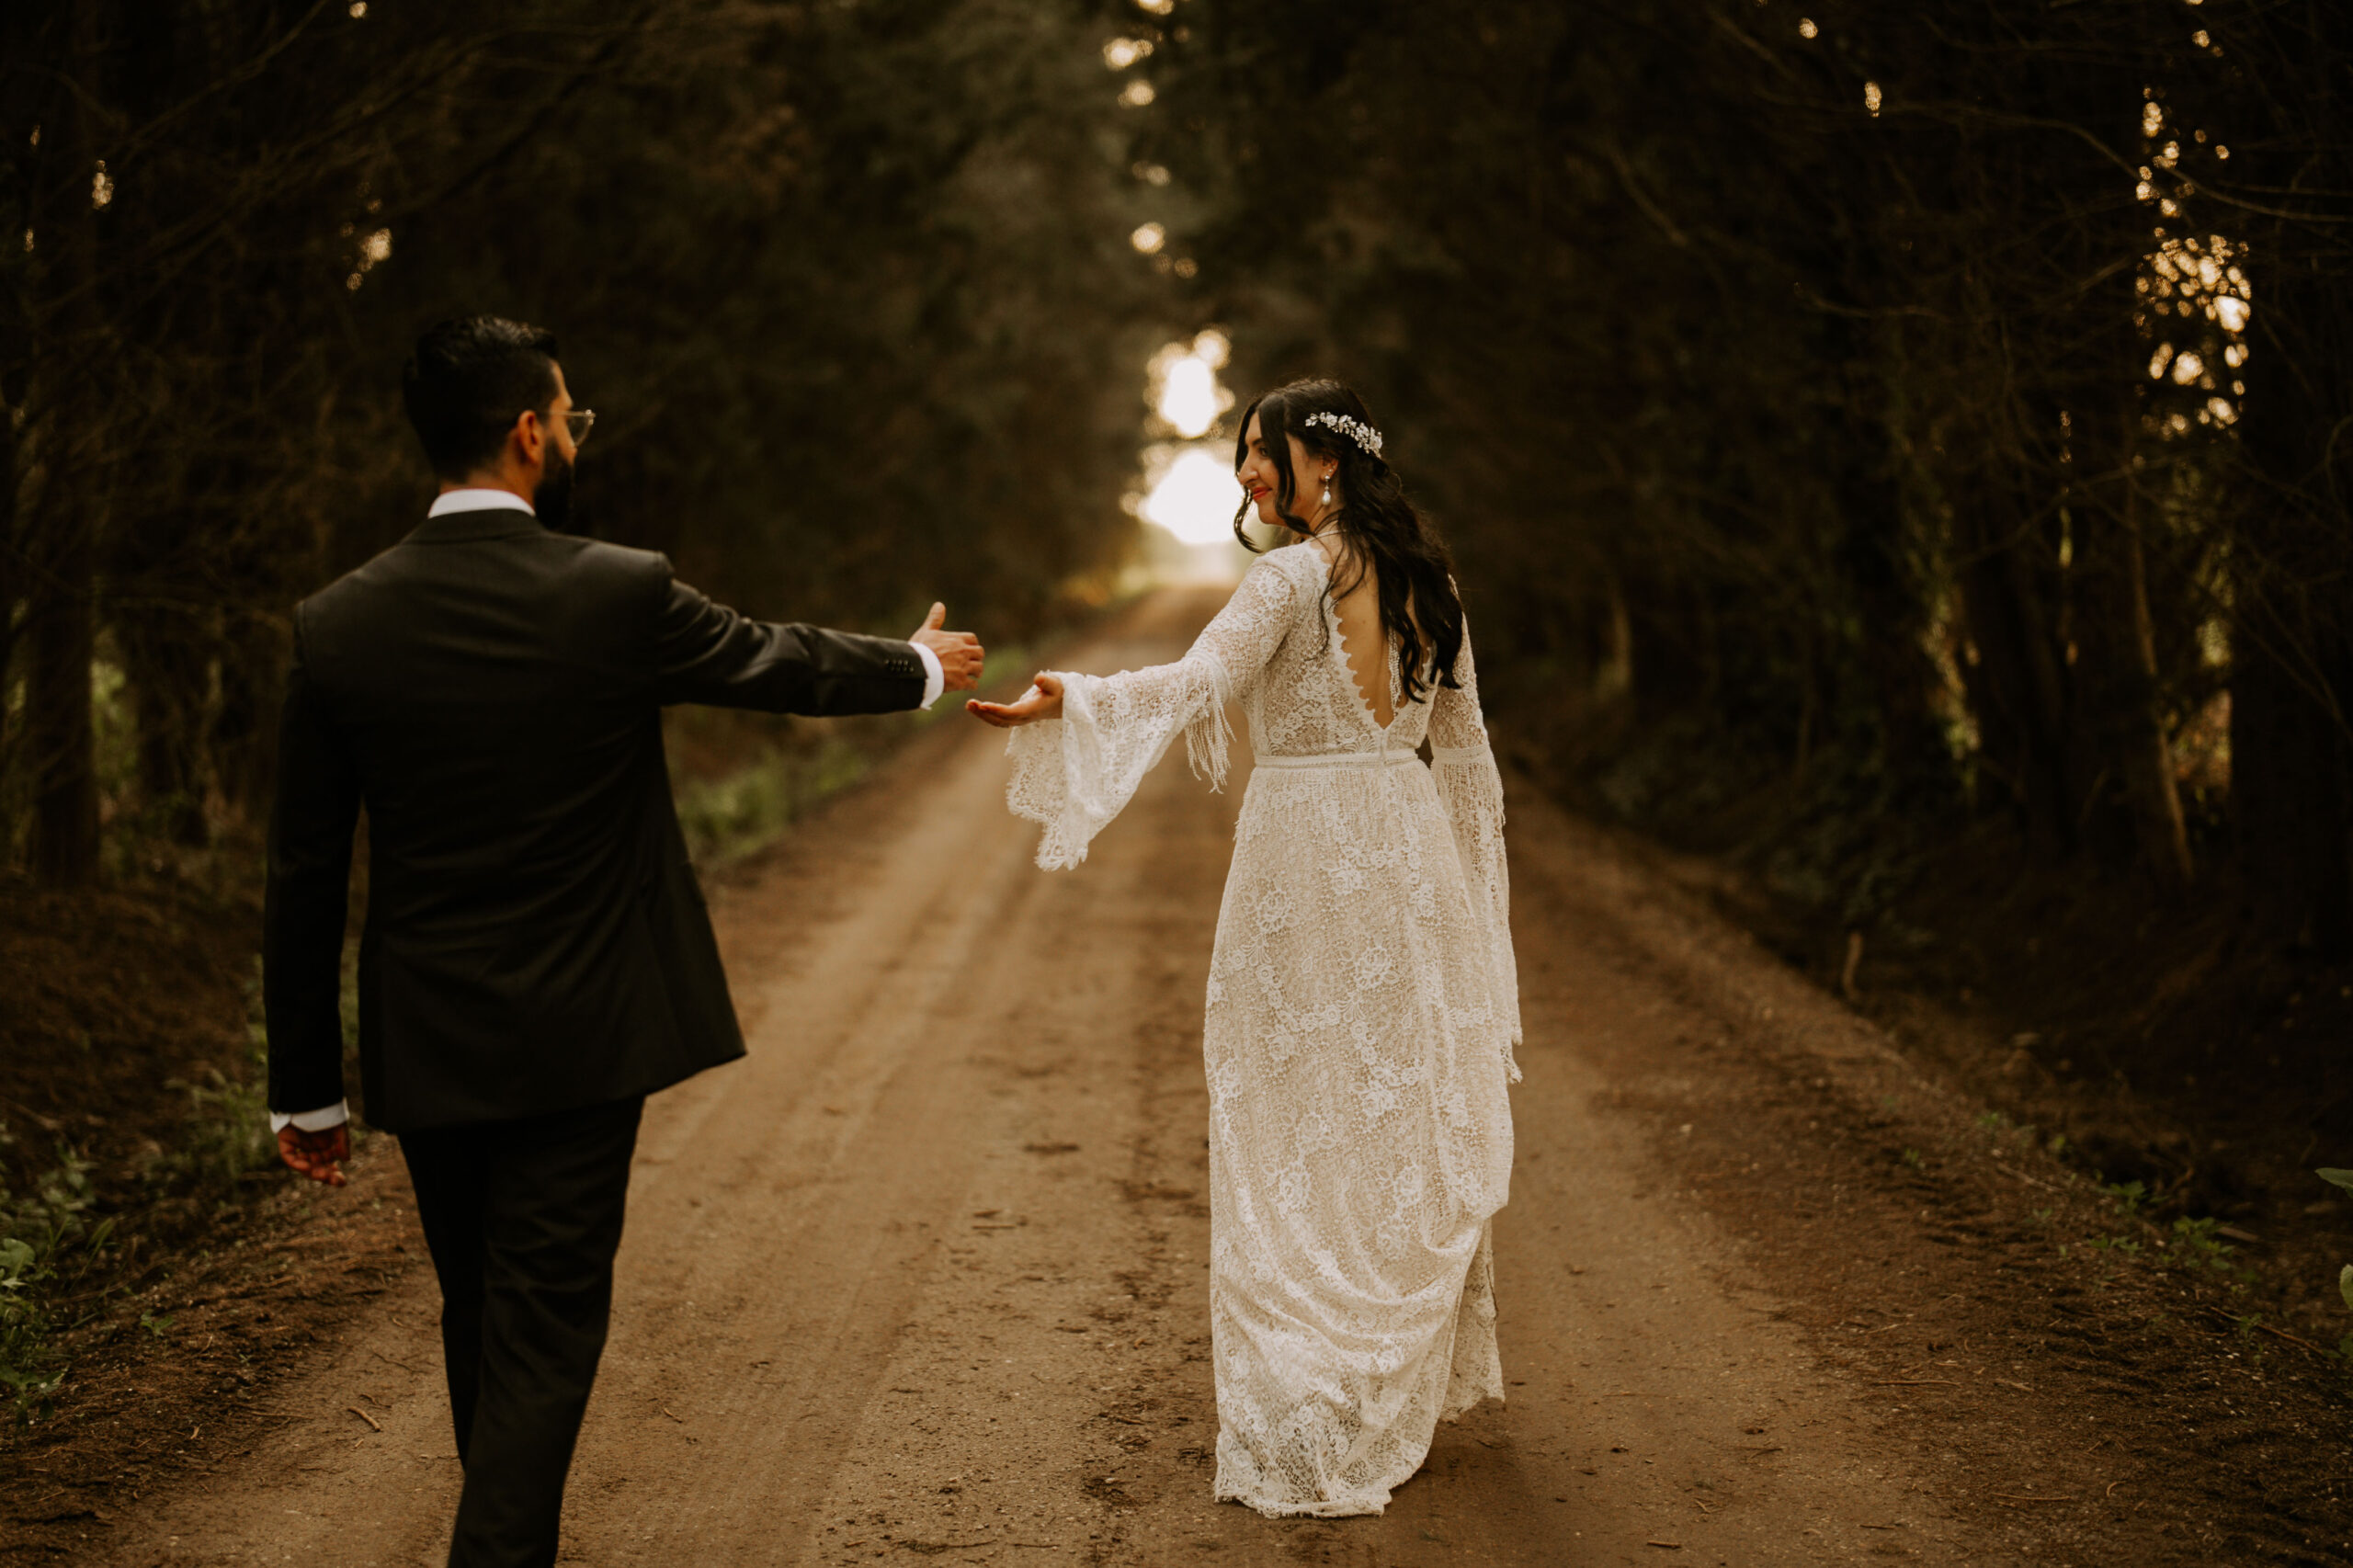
[1362, 1009]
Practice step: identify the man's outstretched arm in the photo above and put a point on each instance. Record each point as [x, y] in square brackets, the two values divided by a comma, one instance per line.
[706, 653]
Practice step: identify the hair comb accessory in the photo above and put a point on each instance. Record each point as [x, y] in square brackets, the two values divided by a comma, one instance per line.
[1356, 430]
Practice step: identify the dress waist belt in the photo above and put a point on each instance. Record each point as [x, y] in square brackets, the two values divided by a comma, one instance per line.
[1339, 759]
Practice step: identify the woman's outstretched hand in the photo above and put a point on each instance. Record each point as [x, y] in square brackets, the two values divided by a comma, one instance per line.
[1042, 700]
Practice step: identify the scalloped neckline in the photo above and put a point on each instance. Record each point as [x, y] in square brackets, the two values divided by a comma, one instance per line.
[1339, 649]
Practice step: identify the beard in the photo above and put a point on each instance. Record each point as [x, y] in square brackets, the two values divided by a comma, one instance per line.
[552, 499]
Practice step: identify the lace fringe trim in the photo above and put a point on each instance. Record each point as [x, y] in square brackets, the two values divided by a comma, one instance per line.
[1209, 737]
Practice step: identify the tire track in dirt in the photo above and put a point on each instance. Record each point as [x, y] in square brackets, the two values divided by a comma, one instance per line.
[927, 1273]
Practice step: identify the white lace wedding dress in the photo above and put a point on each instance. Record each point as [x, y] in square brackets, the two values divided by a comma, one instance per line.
[1363, 1004]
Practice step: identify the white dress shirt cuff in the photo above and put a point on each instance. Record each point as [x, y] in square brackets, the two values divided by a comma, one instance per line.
[317, 1120]
[935, 680]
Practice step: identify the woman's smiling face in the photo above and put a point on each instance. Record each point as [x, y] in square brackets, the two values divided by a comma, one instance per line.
[1262, 478]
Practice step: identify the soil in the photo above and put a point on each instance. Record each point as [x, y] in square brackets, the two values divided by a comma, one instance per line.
[2175, 1052]
[924, 1274]
[113, 999]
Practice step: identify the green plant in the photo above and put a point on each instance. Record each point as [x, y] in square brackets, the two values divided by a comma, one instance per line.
[227, 1132]
[36, 1231]
[29, 1367]
[726, 817]
[1913, 1160]
[228, 1128]
[2198, 1248]
[2343, 1179]
[157, 1324]
[2131, 1194]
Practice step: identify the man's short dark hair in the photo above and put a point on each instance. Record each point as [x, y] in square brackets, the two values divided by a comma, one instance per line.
[468, 382]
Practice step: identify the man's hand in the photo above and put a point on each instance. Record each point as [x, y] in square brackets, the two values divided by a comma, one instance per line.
[316, 1154]
[1042, 700]
[959, 653]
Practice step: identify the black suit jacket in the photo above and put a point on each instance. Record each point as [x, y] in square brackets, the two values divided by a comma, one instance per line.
[492, 693]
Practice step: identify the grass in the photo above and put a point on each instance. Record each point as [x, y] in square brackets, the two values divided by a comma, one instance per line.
[227, 1132]
[51, 1242]
[30, 1371]
[2130, 1195]
[2195, 1242]
[40, 1231]
[730, 816]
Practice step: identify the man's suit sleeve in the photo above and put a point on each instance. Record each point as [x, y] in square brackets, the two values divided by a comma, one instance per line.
[310, 881]
[706, 653]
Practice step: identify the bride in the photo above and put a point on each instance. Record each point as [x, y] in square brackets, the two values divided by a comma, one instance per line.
[1363, 1002]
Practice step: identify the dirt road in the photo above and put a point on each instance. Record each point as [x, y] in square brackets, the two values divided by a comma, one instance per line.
[927, 1273]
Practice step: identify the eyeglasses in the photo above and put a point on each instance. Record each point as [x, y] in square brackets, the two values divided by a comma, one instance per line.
[579, 421]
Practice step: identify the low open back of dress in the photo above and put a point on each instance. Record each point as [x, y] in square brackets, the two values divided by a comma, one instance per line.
[1365, 644]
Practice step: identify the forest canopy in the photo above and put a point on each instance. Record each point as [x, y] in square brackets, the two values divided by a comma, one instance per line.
[1939, 408]
[847, 285]
[1936, 409]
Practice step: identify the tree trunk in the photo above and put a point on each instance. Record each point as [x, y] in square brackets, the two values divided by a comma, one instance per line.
[165, 670]
[59, 742]
[61, 618]
[245, 729]
[2117, 682]
[12, 548]
[2287, 803]
[2016, 688]
[2291, 790]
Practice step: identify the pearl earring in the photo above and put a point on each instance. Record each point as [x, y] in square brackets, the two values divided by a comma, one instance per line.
[1327, 490]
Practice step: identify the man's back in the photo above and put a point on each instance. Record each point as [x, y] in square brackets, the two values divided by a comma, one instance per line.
[493, 692]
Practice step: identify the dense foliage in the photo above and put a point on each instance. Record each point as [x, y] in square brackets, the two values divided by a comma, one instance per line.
[847, 284]
[1860, 399]
[1929, 410]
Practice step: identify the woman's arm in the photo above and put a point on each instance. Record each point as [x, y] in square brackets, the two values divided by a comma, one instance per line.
[1469, 783]
[1083, 743]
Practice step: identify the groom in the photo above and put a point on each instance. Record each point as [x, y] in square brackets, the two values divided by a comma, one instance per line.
[537, 958]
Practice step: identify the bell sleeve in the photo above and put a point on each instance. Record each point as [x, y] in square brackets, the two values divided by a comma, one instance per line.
[1072, 775]
[1463, 766]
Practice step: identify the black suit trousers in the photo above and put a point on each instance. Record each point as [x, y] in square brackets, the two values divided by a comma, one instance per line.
[523, 1218]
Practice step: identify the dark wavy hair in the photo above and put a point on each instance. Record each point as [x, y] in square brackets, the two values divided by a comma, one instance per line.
[1380, 531]
[468, 382]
